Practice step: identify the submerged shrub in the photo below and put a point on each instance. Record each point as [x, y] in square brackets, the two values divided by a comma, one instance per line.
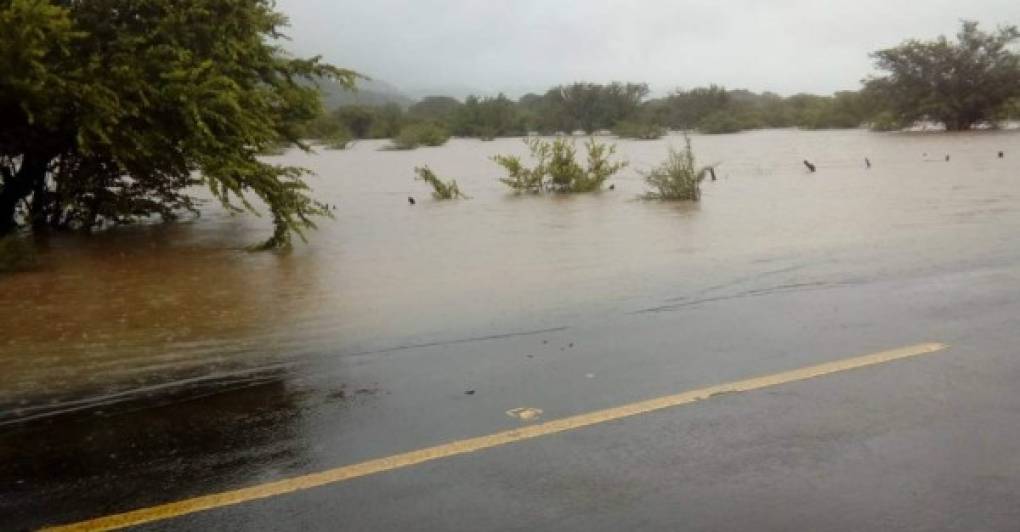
[16, 254]
[519, 177]
[440, 190]
[599, 167]
[638, 130]
[414, 135]
[678, 177]
[561, 167]
[338, 140]
[558, 169]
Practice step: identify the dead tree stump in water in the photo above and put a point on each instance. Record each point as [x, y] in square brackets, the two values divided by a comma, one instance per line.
[809, 166]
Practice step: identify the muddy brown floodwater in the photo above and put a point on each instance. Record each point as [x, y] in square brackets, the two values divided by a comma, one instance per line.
[142, 309]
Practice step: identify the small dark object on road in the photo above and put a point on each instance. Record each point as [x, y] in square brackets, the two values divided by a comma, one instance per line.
[612, 187]
[867, 162]
[410, 200]
[809, 165]
[1001, 155]
[711, 172]
[469, 392]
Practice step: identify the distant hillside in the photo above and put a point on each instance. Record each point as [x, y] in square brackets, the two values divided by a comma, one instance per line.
[370, 92]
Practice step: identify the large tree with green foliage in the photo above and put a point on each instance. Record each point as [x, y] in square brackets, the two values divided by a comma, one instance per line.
[959, 83]
[110, 110]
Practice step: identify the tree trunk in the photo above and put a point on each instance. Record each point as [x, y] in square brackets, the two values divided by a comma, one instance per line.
[18, 187]
[40, 204]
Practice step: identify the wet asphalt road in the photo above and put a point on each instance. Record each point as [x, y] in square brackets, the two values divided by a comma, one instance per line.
[928, 443]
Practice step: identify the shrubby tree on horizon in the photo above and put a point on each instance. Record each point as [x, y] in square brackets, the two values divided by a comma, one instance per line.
[959, 84]
[487, 118]
[111, 110]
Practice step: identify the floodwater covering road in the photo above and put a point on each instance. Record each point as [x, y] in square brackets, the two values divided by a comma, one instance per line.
[151, 364]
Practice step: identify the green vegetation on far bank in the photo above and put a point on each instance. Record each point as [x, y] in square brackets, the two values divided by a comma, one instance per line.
[972, 81]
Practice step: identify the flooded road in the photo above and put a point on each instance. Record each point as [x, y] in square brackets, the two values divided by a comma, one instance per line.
[132, 310]
[150, 364]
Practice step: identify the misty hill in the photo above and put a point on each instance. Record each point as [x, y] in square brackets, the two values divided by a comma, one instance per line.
[370, 92]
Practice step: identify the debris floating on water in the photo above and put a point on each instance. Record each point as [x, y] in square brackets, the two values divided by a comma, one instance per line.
[524, 413]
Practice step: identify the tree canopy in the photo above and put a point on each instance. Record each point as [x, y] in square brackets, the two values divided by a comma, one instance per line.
[111, 110]
[959, 84]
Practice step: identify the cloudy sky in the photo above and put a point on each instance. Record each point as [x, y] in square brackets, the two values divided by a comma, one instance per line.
[485, 46]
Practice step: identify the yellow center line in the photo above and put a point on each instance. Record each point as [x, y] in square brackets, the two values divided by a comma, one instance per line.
[371, 467]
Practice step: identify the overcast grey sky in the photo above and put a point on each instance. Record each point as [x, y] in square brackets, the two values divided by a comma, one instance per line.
[785, 46]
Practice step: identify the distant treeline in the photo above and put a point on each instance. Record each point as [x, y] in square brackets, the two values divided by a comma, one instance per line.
[974, 81]
[623, 108]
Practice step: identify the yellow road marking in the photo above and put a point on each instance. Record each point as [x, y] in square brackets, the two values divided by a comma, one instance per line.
[340, 474]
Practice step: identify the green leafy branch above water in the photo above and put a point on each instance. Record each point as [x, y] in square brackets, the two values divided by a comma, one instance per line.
[678, 177]
[441, 190]
[557, 169]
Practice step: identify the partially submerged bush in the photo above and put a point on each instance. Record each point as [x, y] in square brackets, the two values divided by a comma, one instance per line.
[414, 135]
[520, 177]
[440, 190]
[16, 254]
[628, 129]
[678, 177]
[558, 169]
[338, 140]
